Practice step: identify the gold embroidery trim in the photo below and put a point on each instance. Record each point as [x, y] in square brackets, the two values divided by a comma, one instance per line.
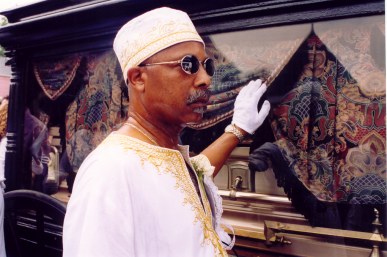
[160, 158]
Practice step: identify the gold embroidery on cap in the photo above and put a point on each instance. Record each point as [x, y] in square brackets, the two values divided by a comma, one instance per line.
[134, 59]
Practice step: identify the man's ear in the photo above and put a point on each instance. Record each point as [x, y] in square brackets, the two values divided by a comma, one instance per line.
[136, 78]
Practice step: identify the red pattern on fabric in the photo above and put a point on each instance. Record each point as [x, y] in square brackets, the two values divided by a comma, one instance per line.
[332, 130]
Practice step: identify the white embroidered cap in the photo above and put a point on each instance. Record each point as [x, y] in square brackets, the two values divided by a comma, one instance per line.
[151, 32]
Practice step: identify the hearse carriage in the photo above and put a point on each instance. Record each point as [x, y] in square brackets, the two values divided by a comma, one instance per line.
[297, 187]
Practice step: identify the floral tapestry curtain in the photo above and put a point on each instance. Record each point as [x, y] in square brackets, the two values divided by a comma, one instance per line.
[99, 108]
[331, 125]
[101, 102]
[54, 75]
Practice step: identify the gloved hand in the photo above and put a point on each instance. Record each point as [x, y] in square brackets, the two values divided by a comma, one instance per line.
[246, 115]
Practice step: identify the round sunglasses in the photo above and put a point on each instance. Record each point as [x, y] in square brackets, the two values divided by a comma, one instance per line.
[189, 64]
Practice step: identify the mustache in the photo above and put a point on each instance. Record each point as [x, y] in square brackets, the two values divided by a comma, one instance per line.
[202, 95]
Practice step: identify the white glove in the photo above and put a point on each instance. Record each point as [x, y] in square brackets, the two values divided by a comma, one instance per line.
[246, 115]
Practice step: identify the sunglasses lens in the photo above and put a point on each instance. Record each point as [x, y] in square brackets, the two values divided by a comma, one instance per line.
[190, 64]
[209, 65]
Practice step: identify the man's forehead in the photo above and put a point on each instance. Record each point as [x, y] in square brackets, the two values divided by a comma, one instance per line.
[181, 49]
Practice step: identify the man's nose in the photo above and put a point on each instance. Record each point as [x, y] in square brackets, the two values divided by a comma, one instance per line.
[202, 78]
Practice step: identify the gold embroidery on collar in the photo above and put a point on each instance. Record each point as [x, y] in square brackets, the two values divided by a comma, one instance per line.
[160, 158]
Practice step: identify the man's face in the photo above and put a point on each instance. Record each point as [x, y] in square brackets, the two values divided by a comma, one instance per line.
[171, 95]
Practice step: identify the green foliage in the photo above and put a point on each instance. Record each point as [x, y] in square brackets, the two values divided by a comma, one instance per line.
[3, 22]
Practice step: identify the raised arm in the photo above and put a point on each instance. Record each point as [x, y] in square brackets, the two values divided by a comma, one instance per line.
[246, 120]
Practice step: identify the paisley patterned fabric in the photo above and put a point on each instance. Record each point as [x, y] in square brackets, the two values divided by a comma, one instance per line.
[99, 108]
[331, 125]
[55, 75]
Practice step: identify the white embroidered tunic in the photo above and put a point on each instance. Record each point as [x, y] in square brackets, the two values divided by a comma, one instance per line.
[131, 198]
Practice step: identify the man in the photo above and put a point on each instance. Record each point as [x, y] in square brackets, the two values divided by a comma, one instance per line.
[138, 193]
